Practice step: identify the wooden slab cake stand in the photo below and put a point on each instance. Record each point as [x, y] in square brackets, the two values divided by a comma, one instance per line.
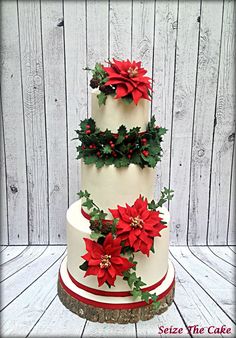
[115, 309]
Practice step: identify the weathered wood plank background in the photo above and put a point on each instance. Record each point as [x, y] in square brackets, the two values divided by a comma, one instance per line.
[188, 48]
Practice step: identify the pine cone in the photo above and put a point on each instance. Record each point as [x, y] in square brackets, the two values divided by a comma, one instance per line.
[106, 89]
[106, 228]
[94, 83]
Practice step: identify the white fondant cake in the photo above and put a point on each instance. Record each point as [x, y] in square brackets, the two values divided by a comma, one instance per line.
[115, 113]
[151, 268]
[110, 186]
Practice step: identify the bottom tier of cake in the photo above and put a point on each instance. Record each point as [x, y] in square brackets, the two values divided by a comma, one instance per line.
[118, 309]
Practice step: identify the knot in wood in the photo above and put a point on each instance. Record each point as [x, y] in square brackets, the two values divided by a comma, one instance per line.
[201, 152]
[231, 137]
[14, 189]
[136, 222]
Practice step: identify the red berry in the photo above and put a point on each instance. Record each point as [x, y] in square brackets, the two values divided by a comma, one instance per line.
[91, 146]
[98, 153]
[129, 156]
[112, 145]
[94, 146]
[88, 132]
[83, 147]
[114, 154]
[145, 153]
[87, 126]
[126, 136]
[131, 150]
[144, 140]
[110, 142]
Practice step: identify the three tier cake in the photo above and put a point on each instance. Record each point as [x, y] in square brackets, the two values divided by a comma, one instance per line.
[117, 268]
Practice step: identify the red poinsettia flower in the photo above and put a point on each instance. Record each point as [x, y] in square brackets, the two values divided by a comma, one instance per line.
[128, 78]
[137, 225]
[104, 261]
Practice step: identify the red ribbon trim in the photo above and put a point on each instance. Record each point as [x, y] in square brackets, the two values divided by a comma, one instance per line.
[109, 305]
[112, 293]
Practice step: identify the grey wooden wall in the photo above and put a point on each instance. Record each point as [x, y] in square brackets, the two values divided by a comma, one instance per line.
[188, 48]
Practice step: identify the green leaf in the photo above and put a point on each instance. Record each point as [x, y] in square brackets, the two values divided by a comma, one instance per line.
[152, 248]
[95, 235]
[107, 149]
[99, 163]
[152, 205]
[156, 305]
[150, 160]
[84, 266]
[136, 293]
[127, 99]
[90, 159]
[132, 279]
[88, 203]
[101, 98]
[145, 296]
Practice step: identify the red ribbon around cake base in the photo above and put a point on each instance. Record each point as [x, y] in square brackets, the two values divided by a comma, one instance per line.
[111, 305]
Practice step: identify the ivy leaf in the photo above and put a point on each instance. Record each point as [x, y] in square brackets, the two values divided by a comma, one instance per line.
[152, 205]
[84, 266]
[132, 279]
[88, 203]
[101, 98]
[156, 305]
[95, 235]
[145, 296]
[136, 293]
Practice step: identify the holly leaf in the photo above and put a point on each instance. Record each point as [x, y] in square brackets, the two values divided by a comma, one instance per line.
[101, 98]
[99, 163]
[107, 149]
[121, 162]
[121, 132]
[150, 160]
[90, 159]
[84, 266]
[152, 205]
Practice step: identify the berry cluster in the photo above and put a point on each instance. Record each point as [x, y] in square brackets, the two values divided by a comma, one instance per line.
[122, 148]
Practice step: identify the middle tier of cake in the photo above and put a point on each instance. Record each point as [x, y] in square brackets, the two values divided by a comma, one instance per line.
[110, 186]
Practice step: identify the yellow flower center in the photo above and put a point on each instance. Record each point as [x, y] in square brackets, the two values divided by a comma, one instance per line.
[105, 261]
[133, 71]
[136, 222]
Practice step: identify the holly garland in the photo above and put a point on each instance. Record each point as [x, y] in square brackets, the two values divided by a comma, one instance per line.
[111, 249]
[122, 148]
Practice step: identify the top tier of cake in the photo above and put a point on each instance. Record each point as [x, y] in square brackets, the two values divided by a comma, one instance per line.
[116, 113]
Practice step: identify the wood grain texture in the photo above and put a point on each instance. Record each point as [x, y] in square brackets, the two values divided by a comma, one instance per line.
[34, 115]
[29, 273]
[224, 133]
[151, 328]
[13, 123]
[194, 303]
[16, 317]
[183, 110]
[231, 233]
[163, 76]
[120, 29]
[51, 322]
[54, 77]
[143, 33]
[76, 83]
[217, 287]
[97, 36]
[11, 253]
[214, 262]
[3, 201]
[206, 87]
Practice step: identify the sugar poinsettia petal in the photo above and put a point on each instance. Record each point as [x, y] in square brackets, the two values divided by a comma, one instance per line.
[128, 77]
[138, 226]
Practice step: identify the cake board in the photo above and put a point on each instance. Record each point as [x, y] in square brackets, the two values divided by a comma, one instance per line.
[112, 309]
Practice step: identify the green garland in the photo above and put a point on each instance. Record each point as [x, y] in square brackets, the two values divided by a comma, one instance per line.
[121, 149]
[99, 229]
